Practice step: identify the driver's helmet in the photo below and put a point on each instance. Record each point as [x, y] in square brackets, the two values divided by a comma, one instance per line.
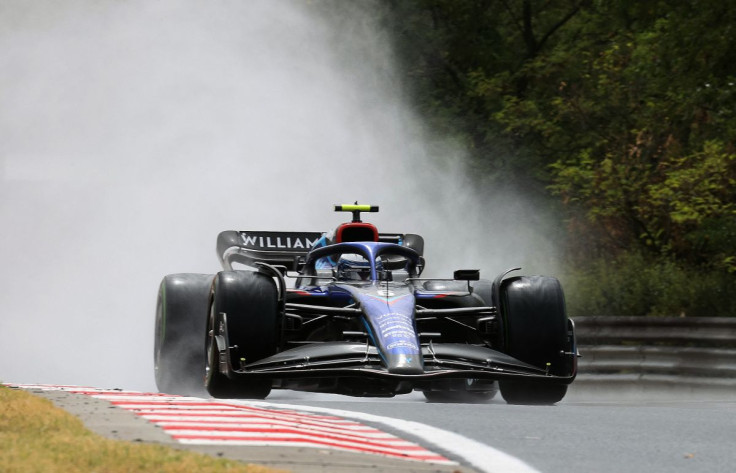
[353, 267]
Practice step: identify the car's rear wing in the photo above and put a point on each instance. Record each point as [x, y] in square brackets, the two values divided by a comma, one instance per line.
[287, 249]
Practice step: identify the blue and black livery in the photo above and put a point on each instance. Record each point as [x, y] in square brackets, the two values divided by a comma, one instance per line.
[295, 319]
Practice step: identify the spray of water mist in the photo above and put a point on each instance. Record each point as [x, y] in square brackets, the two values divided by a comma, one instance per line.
[133, 132]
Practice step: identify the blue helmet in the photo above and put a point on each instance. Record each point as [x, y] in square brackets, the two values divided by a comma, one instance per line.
[354, 267]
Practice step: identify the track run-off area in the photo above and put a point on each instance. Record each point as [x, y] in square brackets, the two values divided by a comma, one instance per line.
[233, 423]
[601, 432]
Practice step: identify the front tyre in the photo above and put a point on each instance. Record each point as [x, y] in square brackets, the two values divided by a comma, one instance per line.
[250, 302]
[536, 333]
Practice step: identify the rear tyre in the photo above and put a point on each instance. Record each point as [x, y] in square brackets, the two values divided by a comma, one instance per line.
[250, 302]
[415, 242]
[520, 392]
[463, 396]
[181, 316]
[536, 333]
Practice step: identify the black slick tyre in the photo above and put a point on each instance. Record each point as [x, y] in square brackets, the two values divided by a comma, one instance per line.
[536, 333]
[463, 395]
[181, 318]
[250, 303]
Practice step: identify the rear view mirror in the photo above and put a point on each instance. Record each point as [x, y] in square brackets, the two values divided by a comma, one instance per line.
[467, 275]
[393, 262]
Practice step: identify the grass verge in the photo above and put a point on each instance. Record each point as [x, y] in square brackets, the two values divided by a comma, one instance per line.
[36, 436]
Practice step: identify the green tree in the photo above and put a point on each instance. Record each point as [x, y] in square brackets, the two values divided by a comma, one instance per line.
[624, 111]
[461, 61]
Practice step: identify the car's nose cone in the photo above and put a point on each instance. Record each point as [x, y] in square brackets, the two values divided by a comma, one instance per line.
[404, 364]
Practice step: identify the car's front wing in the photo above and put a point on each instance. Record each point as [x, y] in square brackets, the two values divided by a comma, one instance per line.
[348, 359]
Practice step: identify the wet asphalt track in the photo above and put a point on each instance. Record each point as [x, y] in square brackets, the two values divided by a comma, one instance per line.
[656, 434]
[588, 432]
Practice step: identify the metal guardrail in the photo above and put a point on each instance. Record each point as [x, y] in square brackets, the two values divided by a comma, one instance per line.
[687, 331]
[697, 352]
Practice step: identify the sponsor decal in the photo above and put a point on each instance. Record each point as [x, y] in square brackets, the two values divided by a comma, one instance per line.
[397, 331]
[390, 313]
[279, 241]
[401, 344]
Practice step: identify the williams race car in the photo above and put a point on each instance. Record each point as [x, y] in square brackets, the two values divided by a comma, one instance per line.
[348, 312]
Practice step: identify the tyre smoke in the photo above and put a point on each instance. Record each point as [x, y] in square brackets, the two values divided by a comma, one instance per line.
[134, 131]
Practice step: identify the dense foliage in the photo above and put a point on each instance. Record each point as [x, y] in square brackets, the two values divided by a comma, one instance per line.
[623, 112]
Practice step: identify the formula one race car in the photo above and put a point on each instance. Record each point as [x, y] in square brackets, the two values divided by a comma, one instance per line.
[356, 318]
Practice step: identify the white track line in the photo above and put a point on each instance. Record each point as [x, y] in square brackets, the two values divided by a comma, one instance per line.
[481, 456]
